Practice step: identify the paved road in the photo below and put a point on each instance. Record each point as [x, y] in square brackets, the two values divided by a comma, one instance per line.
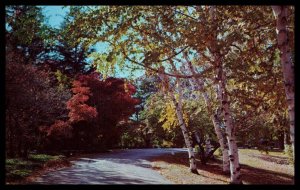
[117, 167]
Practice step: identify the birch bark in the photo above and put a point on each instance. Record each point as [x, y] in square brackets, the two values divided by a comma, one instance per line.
[182, 124]
[214, 117]
[280, 13]
[235, 176]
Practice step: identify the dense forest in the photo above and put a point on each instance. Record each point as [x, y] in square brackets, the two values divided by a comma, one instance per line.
[215, 78]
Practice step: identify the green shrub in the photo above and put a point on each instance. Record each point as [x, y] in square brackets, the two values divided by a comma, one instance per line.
[19, 173]
[219, 152]
[11, 163]
[15, 162]
[167, 144]
[18, 168]
[44, 157]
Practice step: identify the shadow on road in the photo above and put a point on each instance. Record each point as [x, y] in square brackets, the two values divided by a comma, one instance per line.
[119, 167]
[106, 177]
[250, 175]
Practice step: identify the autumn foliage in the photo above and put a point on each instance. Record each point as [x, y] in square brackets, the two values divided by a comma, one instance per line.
[79, 110]
[31, 102]
[95, 109]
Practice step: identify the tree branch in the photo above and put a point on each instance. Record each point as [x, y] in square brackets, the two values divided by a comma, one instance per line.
[185, 15]
[169, 74]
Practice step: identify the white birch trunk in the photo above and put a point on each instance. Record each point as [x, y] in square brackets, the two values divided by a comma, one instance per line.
[193, 167]
[235, 176]
[182, 124]
[214, 118]
[280, 13]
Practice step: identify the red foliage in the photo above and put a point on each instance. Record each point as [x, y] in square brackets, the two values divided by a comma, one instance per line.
[79, 110]
[31, 101]
[111, 99]
[95, 109]
[60, 129]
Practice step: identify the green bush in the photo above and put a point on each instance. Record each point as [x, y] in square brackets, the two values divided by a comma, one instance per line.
[17, 163]
[19, 173]
[167, 144]
[44, 157]
[18, 168]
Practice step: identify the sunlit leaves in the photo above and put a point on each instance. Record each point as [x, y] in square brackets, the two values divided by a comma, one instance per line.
[244, 38]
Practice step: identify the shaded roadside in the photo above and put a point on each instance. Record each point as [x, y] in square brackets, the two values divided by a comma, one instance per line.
[257, 168]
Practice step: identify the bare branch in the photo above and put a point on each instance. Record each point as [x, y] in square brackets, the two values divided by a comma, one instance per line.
[237, 47]
[169, 74]
[185, 15]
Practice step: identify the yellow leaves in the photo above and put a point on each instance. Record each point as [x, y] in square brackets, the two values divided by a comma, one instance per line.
[231, 84]
[169, 114]
[105, 64]
[255, 68]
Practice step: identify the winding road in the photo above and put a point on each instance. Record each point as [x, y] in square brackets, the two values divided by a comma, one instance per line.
[116, 167]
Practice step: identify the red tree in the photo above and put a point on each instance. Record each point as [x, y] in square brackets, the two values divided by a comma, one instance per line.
[95, 109]
[31, 101]
[114, 103]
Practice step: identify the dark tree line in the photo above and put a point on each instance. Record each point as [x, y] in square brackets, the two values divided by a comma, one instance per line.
[55, 100]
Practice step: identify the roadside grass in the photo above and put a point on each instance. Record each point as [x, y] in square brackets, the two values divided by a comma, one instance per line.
[257, 168]
[44, 157]
[18, 170]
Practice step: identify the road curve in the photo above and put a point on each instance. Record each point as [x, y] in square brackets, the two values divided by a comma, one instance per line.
[116, 167]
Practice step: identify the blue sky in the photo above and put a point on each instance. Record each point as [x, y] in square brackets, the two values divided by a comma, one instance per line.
[55, 15]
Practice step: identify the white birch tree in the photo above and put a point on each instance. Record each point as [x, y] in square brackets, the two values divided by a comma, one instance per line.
[281, 14]
[179, 113]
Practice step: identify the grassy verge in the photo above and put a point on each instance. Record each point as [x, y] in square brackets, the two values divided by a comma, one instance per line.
[21, 171]
[257, 168]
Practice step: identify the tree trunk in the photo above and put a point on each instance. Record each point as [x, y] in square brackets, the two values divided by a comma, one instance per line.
[179, 113]
[281, 139]
[280, 13]
[217, 118]
[208, 146]
[197, 138]
[235, 177]
[286, 141]
[201, 149]
[214, 118]
[9, 136]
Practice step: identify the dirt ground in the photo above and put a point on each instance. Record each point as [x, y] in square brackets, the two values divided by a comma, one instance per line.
[257, 168]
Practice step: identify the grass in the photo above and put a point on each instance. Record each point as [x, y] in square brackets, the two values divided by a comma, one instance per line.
[44, 157]
[19, 173]
[18, 169]
[257, 168]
